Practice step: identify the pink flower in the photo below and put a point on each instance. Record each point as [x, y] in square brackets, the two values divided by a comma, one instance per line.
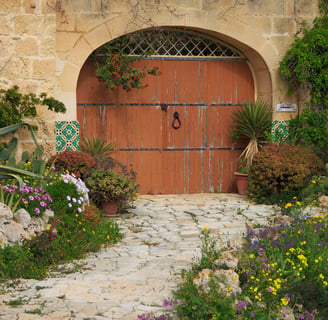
[37, 210]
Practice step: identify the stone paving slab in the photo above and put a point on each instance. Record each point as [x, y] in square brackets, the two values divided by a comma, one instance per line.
[162, 236]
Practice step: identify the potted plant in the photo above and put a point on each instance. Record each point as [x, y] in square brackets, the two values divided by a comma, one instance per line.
[110, 190]
[252, 121]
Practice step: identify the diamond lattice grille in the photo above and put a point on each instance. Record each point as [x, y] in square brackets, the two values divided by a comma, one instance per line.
[172, 43]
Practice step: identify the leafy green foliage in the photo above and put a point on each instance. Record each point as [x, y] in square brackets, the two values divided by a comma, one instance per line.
[107, 185]
[197, 302]
[287, 265]
[317, 187]
[15, 105]
[99, 149]
[254, 122]
[69, 236]
[306, 62]
[76, 162]
[280, 168]
[310, 129]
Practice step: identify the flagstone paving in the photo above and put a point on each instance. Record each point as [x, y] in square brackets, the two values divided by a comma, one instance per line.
[161, 237]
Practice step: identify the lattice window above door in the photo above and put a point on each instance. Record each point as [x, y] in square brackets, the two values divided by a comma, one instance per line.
[172, 43]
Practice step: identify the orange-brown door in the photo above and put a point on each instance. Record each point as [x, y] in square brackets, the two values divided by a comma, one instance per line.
[176, 134]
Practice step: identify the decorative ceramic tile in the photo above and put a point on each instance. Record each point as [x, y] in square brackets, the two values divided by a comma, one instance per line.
[67, 135]
[279, 130]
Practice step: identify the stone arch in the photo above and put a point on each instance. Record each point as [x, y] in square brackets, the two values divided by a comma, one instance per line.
[261, 54]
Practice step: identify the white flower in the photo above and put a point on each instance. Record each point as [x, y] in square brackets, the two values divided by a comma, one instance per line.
[68, 198]
[79, 209]
[70, 205]
[74, 200]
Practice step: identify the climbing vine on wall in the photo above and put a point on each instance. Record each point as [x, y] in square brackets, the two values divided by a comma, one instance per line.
[306, 62]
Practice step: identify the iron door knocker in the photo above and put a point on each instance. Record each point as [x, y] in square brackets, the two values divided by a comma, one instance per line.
[176, 117]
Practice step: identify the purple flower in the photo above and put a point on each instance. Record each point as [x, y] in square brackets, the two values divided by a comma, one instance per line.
[31, 198]
[43, 204]
[37, 210]
[11, 191]
[24, 200]
[252, 314]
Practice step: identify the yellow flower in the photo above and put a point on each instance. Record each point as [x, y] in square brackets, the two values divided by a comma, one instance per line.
[313, 181]
[298, 203]
[284, 301]
[288, 205]
[251, 256]
[48, 227]
[321, 276]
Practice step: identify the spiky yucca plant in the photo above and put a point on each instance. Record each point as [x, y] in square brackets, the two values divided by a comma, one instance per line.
[254, 122]
[99, 149]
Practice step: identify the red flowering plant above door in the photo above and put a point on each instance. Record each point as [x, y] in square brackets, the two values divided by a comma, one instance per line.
[116, 69]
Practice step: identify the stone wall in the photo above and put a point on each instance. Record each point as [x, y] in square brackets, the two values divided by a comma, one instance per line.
[44, 43]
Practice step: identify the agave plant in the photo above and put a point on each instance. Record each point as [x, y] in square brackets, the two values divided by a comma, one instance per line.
[99, 149]
[254, 122]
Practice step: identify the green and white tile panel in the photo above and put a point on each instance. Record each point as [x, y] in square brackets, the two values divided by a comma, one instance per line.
[67, 135]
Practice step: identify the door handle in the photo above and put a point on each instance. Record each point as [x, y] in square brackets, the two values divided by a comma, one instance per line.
[176, 118]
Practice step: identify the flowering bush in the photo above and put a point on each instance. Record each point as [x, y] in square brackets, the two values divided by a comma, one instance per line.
[67, 199]
[117, 70]
[34, 200]
[80, 186]
[76, 162]
[287, 266]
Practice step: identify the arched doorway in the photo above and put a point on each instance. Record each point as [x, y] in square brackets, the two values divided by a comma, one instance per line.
[203, 81]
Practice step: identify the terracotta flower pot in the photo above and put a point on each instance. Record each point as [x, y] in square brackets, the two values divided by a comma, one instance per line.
[242, 182]
[110, 208]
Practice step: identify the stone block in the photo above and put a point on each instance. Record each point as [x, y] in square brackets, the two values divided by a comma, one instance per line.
[266, 7]
[4, 25]
[98, 36]
[22, 217]
[305, 8]
[80, 52]
[10, 6]
[283, 26]
[48, 47]
[65, 41]
[15, 232]
[44, 68]
[28, 24]
[69, 77]
[86, 22]
[184, 3]
[5, 214]
[27, 47]
[65, 20]
[30, 6]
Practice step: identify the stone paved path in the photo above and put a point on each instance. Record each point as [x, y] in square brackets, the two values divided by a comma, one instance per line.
[162, 236]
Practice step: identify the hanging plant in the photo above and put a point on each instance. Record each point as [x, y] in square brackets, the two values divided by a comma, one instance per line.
[117, 70]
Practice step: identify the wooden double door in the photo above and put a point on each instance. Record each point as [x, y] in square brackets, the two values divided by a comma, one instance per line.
[176, 133]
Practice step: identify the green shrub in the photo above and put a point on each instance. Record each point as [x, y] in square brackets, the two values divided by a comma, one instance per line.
[75, 162]
[310, 129]
[279, 168]
[198, 302]
[105, 185]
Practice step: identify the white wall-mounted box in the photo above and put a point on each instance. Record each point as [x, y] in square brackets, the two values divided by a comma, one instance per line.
[286, 107]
